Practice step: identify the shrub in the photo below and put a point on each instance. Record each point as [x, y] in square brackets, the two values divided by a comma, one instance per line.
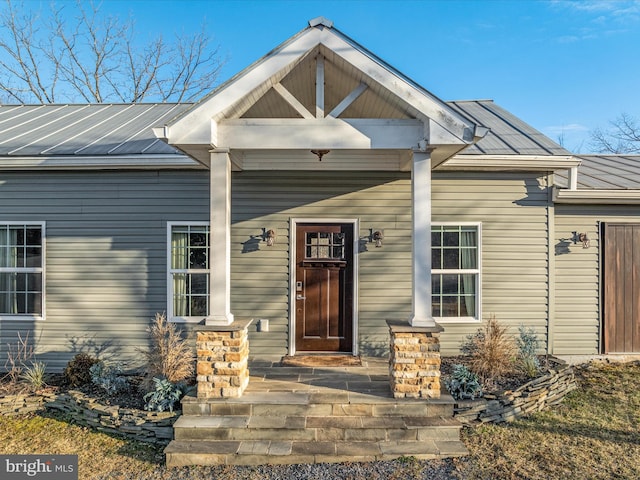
[463, 383]
[528, 345]
[169, 355]
[18, 355]
[77, 372]
[164, 396]
[34, 375]
[491, 352]
[108, 377]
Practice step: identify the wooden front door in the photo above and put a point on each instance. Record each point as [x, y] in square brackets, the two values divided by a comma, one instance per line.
[621, 293]
[324, 287]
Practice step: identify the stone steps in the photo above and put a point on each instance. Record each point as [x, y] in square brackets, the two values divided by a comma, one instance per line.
[259, 452]
[311, 427]
[319, 429]
[318, 404]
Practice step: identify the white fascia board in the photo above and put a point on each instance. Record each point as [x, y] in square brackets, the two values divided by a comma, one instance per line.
[119, 162]
[194, 126]
[298, 133]
[611, 197]
[429, 105]
[531, 163]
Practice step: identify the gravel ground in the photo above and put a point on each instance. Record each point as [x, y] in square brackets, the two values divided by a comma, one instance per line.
[401, 469]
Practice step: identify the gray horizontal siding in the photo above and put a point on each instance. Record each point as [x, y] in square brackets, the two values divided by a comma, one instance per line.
[577, 319]
[106, 254]
[260, 277]
[106, 249]
[513, 211]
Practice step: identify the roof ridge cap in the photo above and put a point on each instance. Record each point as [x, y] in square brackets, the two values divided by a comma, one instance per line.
[314, 22]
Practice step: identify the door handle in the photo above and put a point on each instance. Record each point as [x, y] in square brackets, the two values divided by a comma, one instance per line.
[300, 297]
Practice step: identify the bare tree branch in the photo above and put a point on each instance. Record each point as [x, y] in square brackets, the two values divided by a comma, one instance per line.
[623, 136]
[194, 68]
[79, 54]
[20, 65]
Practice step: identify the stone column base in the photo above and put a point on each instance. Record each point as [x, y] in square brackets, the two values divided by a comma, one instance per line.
[414, 360]
[222, 360]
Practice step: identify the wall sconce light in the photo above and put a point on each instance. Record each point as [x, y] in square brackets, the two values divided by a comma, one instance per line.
[269, 236]
[582, 238]
[320, 153]
[585, 240]
[376, 236]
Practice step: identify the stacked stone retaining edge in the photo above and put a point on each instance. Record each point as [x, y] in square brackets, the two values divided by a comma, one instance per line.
[157, 427]
[152, 427]
[534, 396]
[22, 404]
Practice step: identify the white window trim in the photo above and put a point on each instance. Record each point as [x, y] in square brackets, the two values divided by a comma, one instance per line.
[30, 317]
[478, 271]
[170, 316]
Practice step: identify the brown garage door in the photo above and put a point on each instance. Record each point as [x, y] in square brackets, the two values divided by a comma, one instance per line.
[621, 294]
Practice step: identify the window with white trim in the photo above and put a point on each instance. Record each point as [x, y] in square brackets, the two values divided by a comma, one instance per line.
[455, 271]
[189, 269]
[21, 270]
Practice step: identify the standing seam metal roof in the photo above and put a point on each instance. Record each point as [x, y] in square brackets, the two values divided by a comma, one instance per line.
[84, 130]
[508, 134]
[605, 172]
[126, 129]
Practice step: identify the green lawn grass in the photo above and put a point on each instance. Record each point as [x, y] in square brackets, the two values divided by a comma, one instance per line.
[593, 434]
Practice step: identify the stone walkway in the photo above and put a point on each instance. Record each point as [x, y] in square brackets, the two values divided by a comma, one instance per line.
[345, 383]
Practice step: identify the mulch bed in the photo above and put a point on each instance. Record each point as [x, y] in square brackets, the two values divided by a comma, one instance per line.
[132, 397]
[508, 382]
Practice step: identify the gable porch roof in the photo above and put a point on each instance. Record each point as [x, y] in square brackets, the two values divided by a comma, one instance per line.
[230, 117]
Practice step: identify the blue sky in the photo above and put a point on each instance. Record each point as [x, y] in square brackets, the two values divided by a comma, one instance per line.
[565, 67]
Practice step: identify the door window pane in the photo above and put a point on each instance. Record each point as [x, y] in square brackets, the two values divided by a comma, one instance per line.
[324, 245]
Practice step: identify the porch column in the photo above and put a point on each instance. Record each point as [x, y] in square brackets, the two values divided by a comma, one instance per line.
[220, 234]
[421, 314]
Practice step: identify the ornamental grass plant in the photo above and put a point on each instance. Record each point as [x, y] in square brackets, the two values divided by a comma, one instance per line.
[491, 352]
[169, 355]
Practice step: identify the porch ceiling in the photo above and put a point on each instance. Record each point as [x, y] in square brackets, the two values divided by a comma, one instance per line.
[341, 78]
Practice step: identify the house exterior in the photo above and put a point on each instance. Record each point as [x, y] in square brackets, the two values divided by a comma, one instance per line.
[320, 193]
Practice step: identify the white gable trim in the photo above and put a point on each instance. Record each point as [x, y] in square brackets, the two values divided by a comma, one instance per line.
[194, 126]
[348, 100]
[200, 125]
[288, 97]
[428, 105]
